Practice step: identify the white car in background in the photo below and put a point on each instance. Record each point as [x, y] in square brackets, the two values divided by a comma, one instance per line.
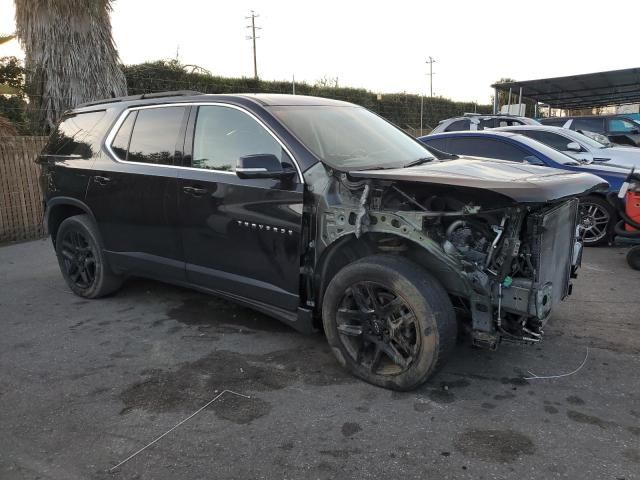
[579, 146]
[479, 121]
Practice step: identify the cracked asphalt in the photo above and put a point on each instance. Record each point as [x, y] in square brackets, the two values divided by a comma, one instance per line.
[83, 384]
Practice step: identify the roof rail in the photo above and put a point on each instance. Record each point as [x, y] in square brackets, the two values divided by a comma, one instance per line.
[490, 115]
[176, 93]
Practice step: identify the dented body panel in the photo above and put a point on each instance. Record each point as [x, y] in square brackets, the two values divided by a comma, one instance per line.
[504, 247]
[518, 181]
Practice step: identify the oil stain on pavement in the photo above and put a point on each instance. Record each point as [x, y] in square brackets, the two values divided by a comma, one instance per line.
[192, 384]
[498, 446]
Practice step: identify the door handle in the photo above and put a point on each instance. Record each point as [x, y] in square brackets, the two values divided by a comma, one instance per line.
[195, 191]
[101, 180]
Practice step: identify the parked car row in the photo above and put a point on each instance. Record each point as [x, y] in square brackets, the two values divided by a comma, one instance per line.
[567, 143]
[324, 216]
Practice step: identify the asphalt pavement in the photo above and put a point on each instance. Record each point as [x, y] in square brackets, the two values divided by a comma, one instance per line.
[84, 384]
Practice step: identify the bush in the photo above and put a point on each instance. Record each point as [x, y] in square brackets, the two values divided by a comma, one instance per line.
[400, 108]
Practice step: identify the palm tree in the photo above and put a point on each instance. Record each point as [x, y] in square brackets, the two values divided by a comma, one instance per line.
[70, 54]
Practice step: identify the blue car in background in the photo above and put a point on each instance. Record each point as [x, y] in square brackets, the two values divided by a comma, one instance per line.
[597, 216]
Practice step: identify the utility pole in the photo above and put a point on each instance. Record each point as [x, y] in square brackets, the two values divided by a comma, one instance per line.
[253, 37]
[431, 61]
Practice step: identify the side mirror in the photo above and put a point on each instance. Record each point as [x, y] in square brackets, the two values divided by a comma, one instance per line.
[262, 165]
[574, 147]
[533, 160]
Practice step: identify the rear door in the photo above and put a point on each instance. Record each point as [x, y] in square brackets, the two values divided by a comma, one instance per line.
[133, 192]
[240, 236]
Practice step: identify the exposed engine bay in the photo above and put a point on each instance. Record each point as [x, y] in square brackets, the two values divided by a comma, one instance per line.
[505, 264]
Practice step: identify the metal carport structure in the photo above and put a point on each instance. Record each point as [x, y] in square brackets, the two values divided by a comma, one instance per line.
[615, 87]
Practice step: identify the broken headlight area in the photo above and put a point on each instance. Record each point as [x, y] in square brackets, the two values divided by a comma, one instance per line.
[505, 264]
[518, 259]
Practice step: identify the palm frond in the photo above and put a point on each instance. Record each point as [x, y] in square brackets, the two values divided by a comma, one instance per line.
[70, 54]
[4, 38]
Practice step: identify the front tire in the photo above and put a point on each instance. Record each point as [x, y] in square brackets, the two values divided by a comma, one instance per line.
[388, 321]
[595, 222]
[82, 260]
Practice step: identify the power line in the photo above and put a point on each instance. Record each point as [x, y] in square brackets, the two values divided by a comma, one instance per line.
[253, 37]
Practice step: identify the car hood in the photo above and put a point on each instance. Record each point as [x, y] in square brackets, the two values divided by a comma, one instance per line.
[605, 168]
[518, 181]
[621, 156]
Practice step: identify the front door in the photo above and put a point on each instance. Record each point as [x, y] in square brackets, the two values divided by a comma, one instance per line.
[240, 236]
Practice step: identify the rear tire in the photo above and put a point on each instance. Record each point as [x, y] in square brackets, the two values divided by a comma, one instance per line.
[633, 257]
[389, 321]
[81, 259]
[596, 219]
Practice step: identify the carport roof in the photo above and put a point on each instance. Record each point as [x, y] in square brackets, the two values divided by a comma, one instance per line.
[615, 87]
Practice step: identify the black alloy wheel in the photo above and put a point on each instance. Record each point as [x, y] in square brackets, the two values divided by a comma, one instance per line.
[378, 328]
[389, 321]
[82, 260]
[78, 258]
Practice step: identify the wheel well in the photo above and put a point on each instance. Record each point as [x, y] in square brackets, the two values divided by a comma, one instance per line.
[58, 214]
[348, 249]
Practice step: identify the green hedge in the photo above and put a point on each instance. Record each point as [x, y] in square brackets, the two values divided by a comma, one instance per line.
[400, 108]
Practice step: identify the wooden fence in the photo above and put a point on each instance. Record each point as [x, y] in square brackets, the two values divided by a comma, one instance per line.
[20, 199]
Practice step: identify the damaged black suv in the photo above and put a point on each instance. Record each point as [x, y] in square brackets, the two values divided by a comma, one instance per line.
[316, 212]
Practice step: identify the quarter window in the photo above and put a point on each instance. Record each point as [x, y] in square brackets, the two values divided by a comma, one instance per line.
[224, 134]
[155, 135]
[120, 143]
[75, 135]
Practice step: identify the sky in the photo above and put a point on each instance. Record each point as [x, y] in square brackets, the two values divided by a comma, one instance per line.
[380, 46]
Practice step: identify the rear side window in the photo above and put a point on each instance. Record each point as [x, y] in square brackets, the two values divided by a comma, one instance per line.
[508, 122]
[155, 135]
[590, 124]
[486, 147]
[75, 135]
[438, 144]
[556, 122]
[458, 125]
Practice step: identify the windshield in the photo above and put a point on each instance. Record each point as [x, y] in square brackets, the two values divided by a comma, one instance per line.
[551, 153]
[351, 138]
[582, 138]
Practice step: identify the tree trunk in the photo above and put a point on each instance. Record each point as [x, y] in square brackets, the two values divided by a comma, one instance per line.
[70, 55]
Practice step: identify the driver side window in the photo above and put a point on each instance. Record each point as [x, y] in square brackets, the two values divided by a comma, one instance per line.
[224, 134]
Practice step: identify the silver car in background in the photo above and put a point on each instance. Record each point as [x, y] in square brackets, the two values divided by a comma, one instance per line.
[477, 121]
[579, 146]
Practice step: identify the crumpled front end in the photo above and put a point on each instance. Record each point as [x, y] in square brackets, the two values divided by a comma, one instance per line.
[528, 277]
[504, 264]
